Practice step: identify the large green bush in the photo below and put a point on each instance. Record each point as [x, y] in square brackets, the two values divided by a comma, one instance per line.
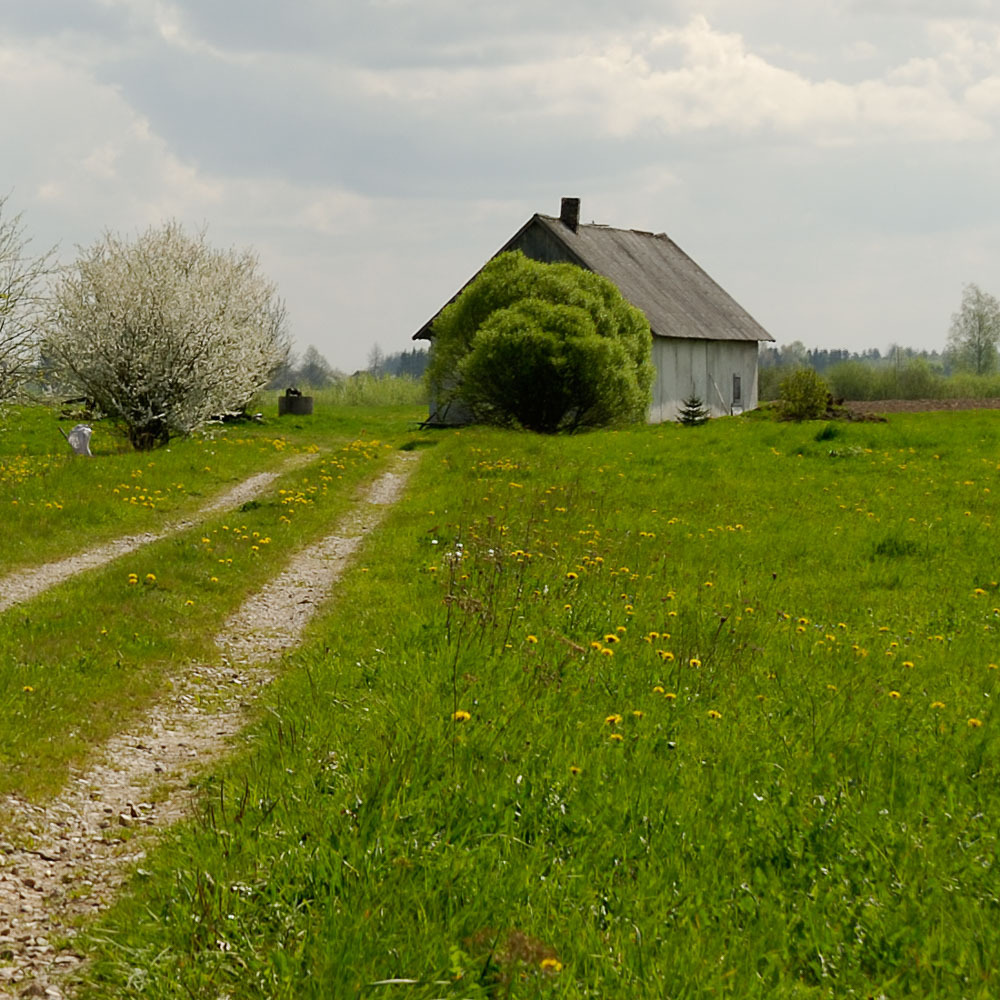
[546, 347]
[804, 395]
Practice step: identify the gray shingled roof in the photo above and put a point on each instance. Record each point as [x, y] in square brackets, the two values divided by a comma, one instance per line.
[654, 274]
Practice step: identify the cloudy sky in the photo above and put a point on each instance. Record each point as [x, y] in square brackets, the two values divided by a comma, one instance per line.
[832, 163]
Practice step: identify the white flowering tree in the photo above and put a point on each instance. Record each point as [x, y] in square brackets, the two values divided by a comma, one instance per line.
[19, 303]
[165, 333]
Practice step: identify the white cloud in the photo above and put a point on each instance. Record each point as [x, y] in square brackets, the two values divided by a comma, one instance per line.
[695, 78]
[377, 153]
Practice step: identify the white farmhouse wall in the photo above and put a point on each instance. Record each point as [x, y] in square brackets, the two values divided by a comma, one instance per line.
[704, 368]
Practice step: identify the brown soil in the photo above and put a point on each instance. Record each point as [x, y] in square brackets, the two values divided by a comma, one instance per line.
[919, 405]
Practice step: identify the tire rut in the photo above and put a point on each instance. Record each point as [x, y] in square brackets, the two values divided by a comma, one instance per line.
[63, 861]
[24, 584]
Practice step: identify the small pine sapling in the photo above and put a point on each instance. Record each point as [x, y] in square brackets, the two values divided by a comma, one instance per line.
[693, 411]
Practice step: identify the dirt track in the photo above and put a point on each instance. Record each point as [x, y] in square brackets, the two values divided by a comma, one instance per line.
[64, 859]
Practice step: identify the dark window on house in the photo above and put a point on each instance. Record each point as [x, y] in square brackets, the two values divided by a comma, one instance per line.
[737, 390]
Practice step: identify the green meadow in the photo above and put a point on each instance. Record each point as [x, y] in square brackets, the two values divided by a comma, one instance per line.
[665, 712]
[83, 659]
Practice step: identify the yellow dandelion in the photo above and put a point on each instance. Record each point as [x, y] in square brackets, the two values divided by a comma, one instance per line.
[937, 704]
[617, 737]
[189, 604]
[832, 688]
[551, 965]
[611, 637]
[713, 714]
[694, 662]
[460, 716]
[657, 689]
[575, 769]
[708, 583]
[571, 575]
[150, 578]
[213, 579]
[607, 652]
[908, 664]
[596, 645]
[532, 639]
[27, 689]
[612, 720]
[975, 723]
[895, 694]
[670, 696]
[637, 713]
[991, 666]
[621, 630]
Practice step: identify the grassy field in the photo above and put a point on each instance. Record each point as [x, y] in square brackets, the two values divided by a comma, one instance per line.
[85, 657]
[668, 712]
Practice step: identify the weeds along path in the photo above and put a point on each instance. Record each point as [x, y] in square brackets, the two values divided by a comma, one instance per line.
[63, 860]
[24, 584]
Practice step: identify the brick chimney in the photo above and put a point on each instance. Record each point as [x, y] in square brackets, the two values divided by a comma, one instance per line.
[569, 213]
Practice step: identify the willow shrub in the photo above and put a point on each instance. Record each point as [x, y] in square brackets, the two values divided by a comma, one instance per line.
[546, 347]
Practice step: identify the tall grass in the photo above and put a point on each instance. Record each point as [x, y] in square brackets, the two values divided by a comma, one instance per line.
[366, 389]
[662, 712]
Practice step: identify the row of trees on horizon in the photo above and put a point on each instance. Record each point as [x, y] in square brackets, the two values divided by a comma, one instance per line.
[312, 370]
[969, 365]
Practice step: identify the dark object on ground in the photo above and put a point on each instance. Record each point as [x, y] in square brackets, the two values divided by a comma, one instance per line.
[78, 408]
[293, 403]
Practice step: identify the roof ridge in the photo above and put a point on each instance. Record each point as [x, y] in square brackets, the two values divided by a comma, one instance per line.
[604, 225]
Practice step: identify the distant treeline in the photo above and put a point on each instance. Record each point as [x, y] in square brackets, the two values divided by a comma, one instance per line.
[313, 371]
[797, 355]
[900, 373]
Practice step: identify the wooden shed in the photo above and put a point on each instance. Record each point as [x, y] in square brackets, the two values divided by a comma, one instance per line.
[704, 342]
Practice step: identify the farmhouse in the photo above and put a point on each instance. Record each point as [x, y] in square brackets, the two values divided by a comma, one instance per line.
[704, 342]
